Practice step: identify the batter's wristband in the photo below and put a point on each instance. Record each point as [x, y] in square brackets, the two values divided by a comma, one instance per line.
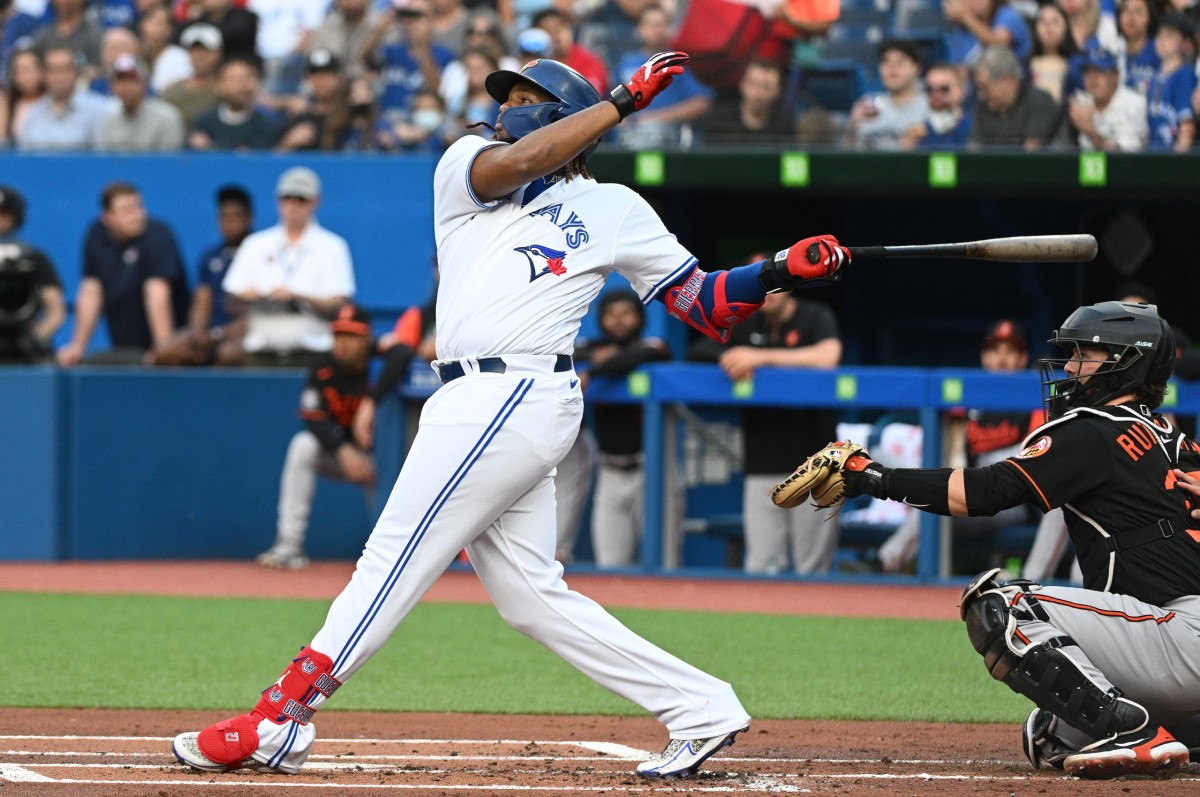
[622, 98]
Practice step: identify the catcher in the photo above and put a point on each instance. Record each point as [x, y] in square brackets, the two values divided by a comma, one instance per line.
[1114, 667]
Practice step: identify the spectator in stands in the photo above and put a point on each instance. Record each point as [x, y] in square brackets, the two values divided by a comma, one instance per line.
[285, 28]
[1107, 115]
[338, 386]
[483, 33]
[788, 332]
[1008, 111]
[65, 118]
[35, 343]
[475, 104]
[132, 272]
[1139, 57]
[449, 20]
[69, 28]
[293, 277]
[116, 42]
[1090, 26]
[25, 86]
[979, 24]
[990, 437]
[685, 101]
[878, 121]
[197, 93]
[238, 26]
[425, 128]
[139, 123]
[17, 26]
[367, 132]
[561, 28]
[1053, 49]
[409, 65]
[168, 63]
[323, 119]
[1172, 126]
[755, 115]
[215, 324]
[947, 124]
[620, 479]
[343, 32]
[235, 122]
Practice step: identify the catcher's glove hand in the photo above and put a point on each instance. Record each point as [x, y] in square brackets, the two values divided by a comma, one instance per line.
[819, 477]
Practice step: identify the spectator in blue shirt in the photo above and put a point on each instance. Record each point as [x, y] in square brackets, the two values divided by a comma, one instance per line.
[132, 272]
[236, 122]
[414, 63]
[214, 322]
[1169, 98]
[64, 118]
[1136, 22]
[683, 102]
[983, 23]
[947, 123]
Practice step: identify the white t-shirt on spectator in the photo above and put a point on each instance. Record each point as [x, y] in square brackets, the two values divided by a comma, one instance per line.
[282, 23]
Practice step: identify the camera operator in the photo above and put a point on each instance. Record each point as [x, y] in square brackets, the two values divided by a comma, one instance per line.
[31, 297]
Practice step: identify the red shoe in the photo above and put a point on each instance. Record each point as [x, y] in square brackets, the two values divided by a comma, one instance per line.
[1151, 752]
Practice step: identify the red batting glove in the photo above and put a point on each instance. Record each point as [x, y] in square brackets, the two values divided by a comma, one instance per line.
[648, 82]
[818, 258]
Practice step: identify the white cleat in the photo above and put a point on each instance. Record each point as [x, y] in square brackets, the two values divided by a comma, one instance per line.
[682, 757]
[186, 748]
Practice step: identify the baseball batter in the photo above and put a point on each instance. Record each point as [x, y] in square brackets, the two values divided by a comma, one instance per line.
[525, 240]
[1114, 667]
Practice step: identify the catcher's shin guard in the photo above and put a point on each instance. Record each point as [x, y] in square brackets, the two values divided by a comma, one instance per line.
[1046, 675]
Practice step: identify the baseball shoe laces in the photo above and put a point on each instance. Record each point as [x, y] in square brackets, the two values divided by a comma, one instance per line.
[1152, 751]
[682, 757]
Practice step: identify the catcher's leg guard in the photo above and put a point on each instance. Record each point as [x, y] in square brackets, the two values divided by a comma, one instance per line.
[276, 734]
[1045, 674]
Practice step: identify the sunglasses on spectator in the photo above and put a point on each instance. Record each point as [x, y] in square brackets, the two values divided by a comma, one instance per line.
[294, 198]
[943, 88]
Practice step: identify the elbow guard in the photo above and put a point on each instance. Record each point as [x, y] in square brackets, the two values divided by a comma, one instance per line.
[701, 302]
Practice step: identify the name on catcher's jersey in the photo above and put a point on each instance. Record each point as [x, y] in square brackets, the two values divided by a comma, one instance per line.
[518, 279]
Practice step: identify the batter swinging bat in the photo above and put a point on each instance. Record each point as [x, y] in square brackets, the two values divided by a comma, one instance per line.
[1025, 249]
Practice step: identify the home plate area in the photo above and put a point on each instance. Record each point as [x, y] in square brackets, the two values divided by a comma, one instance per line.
[120, 753]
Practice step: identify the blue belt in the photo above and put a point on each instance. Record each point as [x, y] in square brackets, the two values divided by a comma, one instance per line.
[494, 365]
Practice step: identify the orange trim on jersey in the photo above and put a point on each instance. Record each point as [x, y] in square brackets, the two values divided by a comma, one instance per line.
[1025, 473]
[1142, 618]
[314, 415]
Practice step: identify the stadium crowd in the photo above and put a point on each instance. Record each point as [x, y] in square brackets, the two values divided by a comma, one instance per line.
[407, 75]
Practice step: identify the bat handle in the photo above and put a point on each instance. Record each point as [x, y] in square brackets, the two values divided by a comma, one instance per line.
[867, 252]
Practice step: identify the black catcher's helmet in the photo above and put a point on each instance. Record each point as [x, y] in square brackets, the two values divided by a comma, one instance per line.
[1141, 351]
[13, 203]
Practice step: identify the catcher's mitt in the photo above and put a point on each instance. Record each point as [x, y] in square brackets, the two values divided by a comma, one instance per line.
[819, 477]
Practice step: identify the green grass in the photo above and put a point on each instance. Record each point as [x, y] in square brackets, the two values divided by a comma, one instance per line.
[157, 652]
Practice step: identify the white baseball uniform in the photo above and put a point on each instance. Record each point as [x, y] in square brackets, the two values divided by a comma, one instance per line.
[515, 282]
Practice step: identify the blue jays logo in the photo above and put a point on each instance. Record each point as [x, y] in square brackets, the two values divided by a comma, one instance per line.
[543, 260]
[275, 696]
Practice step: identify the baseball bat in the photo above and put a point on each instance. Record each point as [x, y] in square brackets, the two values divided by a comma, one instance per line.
[1023, 249]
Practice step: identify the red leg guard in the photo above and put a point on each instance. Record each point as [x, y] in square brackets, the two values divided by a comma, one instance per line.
[288, 698]
[230, 742]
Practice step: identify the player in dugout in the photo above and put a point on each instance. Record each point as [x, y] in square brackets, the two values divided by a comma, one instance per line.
[1112, 668]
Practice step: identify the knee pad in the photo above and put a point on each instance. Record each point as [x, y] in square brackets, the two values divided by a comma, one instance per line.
[987, 618]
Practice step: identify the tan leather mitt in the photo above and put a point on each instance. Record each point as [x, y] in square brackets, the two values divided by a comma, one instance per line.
[819, 477]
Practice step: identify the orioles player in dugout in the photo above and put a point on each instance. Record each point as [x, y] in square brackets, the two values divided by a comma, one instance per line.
[525, 241]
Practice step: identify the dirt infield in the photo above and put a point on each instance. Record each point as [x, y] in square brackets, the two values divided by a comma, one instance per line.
[122, 753]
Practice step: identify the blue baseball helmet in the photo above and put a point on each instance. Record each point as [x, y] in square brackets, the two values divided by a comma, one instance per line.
[571, 91]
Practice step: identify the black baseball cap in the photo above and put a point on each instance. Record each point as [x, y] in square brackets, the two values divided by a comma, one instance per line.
[352, 320]
[1006, 331]
[323, 60]
[12, 203]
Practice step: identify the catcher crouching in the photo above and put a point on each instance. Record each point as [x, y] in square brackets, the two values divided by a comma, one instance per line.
[1112, 668]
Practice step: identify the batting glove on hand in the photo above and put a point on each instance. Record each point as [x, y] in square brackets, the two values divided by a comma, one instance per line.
[809, 263]
[648, 82]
